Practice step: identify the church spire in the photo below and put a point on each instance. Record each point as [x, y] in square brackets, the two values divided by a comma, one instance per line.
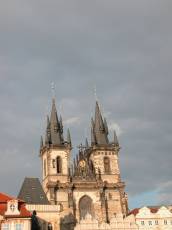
[100, 129]
[56, 137]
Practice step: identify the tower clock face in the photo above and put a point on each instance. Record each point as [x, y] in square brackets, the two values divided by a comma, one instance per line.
[82, 164]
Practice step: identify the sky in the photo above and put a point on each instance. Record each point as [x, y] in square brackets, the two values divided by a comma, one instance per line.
[120, 48]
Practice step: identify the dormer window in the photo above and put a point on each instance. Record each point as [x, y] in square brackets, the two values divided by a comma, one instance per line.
[12, 207]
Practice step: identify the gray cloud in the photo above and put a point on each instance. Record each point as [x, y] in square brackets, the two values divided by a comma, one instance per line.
[122, 47]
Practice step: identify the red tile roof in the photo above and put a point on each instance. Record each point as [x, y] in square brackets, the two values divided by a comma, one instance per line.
[136, 210]
[21, 205]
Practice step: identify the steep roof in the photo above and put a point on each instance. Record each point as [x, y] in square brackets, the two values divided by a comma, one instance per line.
[32, 192]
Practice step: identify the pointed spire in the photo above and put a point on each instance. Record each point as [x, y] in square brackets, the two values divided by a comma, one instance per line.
[98, 119]
[54, 119]
[100, 129]
[115, 140]
[69, 137]
[56, 137]
[48, 133]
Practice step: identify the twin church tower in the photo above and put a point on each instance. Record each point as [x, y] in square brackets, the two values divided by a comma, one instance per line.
[91, 184]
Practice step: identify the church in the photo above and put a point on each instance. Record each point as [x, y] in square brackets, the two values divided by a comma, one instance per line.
[91, 184]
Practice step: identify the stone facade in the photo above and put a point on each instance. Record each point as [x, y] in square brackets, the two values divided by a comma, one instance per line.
[91, 185]
[117, 222]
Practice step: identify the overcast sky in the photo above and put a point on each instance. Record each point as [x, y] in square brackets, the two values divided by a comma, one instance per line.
[124, 48]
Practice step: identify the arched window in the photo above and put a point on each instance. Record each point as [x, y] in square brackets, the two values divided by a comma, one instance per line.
[106, 165]
[45, 171]
[86, 207]
[58, 164]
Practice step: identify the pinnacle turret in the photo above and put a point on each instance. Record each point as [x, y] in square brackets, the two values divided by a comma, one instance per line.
[93, 139]
[69, 138]
[86, 143]
[106, 126]
[48, 132]
[54, 130]
[115, 139]
[56, 138]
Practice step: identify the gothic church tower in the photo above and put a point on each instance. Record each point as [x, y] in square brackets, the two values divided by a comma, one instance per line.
[104, 155]
[55, 154]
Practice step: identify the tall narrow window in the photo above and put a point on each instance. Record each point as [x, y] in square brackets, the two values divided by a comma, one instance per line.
[45, 171]
[106, 165]
[59, 164]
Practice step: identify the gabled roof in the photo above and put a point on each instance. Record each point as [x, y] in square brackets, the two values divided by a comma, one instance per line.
[32, 192]
[4, 198]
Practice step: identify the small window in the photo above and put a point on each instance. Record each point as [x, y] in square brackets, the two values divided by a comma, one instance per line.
[165, 222]
[5, 227]
[58, 164]
[142, 222]
[156, 222]
[150, 222]
[19, 227]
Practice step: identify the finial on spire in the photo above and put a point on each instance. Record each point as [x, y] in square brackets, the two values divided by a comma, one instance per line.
[53, 86]
[95, 93]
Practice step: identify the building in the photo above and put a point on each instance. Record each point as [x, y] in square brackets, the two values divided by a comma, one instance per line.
[86, 193]
[33, 194]
[13, 214]
[92, 184]
[153, 218]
